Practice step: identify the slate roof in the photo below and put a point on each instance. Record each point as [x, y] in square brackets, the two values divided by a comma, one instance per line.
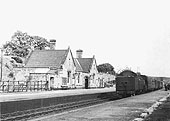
[85, 64]
[78, 66]
[46, 58]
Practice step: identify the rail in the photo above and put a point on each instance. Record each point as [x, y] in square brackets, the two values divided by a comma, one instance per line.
[22, 86]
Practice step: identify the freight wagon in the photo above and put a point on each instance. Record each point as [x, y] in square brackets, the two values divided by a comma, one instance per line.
[131, 83]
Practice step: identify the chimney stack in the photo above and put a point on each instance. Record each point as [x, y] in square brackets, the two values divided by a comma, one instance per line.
[52, 44]
[79, 53]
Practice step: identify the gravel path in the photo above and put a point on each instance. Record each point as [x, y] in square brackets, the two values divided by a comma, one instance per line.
[125, 109]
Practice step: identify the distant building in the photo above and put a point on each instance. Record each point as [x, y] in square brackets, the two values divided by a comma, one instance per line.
[106, 77]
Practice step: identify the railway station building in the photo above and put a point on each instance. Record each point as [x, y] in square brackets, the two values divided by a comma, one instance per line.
[59, 69]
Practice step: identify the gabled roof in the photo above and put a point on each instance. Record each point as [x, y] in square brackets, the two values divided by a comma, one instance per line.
[85, 63]
[47, 58]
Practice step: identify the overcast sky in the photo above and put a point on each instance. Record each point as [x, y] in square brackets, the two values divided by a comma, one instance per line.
[124, 33]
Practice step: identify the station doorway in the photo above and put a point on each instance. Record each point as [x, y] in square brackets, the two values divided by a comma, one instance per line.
[86, 83]
[51, 83]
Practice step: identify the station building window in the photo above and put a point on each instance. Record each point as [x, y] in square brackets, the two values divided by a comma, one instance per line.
[68, 75]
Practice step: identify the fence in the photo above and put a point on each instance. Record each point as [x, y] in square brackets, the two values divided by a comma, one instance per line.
[22, 86]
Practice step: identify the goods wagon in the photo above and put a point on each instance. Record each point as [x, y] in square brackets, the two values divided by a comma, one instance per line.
[159, 82]
[125, 85]
[146, 81]
[161, 85]
[156, 84]
[129, 83]
[152, 83]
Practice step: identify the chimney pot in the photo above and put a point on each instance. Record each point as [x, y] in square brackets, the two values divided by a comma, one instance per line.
[79, 53]
[52, 44]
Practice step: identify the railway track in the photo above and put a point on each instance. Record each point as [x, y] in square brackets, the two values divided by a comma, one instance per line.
[31, 114]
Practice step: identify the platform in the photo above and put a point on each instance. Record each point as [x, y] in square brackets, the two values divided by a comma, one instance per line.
[5, 97]
[17, 104]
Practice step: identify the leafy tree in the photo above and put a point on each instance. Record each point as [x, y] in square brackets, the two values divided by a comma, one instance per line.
[40, 43]
[21, 44]
[106, 68]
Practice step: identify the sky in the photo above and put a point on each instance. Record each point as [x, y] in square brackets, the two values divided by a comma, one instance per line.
[131, 34]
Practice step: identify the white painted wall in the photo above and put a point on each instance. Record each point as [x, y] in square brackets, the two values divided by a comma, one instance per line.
[79, 79]
[69, 66]
[94, 82]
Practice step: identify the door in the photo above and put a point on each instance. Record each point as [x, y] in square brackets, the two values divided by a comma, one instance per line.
[51, 83]
[86, 83]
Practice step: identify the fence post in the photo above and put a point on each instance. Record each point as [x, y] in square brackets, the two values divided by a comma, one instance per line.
[18, 86]
[30, 86]
[22, 87]
[41, 85]
[3, 86]
[13, 86]
[8, 85]
[38, 86]
[34, 85]
[26, 86]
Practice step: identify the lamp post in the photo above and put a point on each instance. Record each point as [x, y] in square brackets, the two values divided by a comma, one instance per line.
[1, 61]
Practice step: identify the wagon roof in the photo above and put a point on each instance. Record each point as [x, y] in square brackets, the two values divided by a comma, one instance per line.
[127, 73]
